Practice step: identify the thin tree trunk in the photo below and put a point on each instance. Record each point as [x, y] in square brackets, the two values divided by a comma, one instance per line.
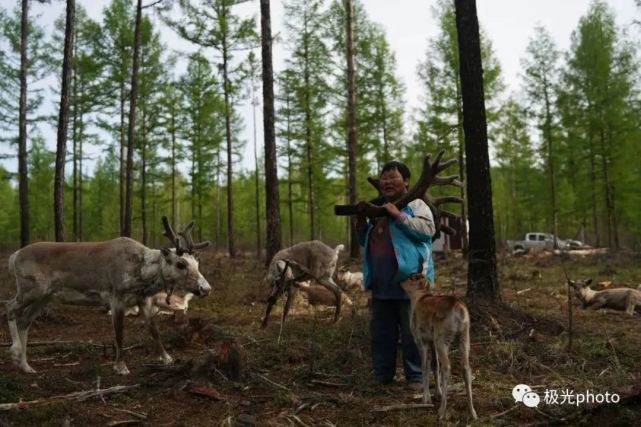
[122, 156]
[143, 176]
[63, 125]
[606, 187]
[127, 230]
[173, 165]
[461, 165]
[230, 193]
[352, 136]
[290, 192]
[74, 136]
[595, 218]
[218, 210]
[482, 275]
[80, 154]
[548, 137]
[309, 152]
[257, 195]
[23, 183]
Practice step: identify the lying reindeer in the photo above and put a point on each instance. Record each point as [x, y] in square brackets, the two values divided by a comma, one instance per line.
[623, 299]
[162, 303]
[349, 280]
[117, 273]
[317, 295]
[435, 321]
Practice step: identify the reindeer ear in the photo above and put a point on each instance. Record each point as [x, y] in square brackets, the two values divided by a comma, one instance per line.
[165, 252]
[588, 281]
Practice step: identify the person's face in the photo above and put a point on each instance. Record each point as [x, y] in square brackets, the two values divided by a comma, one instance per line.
[393, 185]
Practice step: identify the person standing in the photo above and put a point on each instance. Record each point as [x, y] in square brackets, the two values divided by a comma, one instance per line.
[396, 246]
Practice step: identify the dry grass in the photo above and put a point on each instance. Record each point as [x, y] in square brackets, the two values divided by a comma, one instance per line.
[319, 374]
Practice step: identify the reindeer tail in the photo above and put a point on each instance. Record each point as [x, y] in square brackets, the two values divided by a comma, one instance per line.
[339, 248]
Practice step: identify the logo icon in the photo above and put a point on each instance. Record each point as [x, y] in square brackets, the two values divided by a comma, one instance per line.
[523, 393]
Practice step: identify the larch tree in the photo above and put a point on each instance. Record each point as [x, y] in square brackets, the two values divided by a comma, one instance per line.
[482, 277]
[63, 123]
[214, 25]
[272, 197]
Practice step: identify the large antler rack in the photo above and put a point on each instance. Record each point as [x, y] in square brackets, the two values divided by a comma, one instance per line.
[429, 177]
[186, 235]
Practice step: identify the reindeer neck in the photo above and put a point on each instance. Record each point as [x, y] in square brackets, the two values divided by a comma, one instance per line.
[150, 270]
[589, 294]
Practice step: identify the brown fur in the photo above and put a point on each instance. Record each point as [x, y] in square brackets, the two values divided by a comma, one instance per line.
[435, 321]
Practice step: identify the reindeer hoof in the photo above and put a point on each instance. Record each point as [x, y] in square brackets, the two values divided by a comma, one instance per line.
[121, 368]
[15, 352]
[442, 414]
[473, 414]
[167, 359]
[27, 369]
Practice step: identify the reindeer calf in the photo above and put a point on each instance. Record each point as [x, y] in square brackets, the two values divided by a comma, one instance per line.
[435, 321]
[623, 299]
[348, 280]
[320, 296]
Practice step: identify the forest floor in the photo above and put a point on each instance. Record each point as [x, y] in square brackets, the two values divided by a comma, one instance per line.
[319, 373]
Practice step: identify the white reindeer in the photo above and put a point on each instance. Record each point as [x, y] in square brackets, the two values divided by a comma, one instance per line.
[303, 261]
[622, 299]
[349, 280]
[117, 273]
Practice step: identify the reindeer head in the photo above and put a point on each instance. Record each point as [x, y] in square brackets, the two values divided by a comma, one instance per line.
[416, 282]
[179, 265]
[580, 287]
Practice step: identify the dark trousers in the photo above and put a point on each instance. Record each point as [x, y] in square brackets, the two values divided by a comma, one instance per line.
[388, 320]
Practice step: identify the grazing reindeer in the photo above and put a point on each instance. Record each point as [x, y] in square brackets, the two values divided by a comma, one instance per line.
[348, 280]
[435, 321]
[623, 299]
[117, 273]
[303, 261]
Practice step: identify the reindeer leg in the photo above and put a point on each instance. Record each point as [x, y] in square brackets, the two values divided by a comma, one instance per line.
[288, 304]
[467, 372]
[148, 310]
[444, 360]
[426, 366]
[329, 284]
[20, 313]
[118, 320]
[437, 371]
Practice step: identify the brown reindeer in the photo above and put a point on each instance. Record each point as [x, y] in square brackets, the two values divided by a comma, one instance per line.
[435, 321]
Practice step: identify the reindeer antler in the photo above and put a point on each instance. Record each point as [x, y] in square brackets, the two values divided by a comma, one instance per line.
[191, 246]
[169, 233]
[429, 177]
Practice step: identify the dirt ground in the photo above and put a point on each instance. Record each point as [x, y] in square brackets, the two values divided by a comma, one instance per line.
[319, 373]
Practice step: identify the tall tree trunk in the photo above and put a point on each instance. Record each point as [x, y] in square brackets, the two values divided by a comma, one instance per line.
[80, 154]
[606, 187]
[63, 125]
[230, 193]
[548, 137]
[23, 183]
[122, 159]
[595, 218]
[290, 189]
[461, 165]
[74, 136]
[173, 165]
[272, 195]
[257, 194]
[482, 277]
[218, 210]
[352, 136]
[126, 231]
[143, 176]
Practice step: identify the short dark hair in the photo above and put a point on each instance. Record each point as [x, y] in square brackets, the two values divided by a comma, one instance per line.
[396, 165]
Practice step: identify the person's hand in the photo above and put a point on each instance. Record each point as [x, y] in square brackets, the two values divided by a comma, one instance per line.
[361, 216]
[392, 210]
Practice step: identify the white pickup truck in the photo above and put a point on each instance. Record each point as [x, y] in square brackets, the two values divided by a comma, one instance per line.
[535, 240]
